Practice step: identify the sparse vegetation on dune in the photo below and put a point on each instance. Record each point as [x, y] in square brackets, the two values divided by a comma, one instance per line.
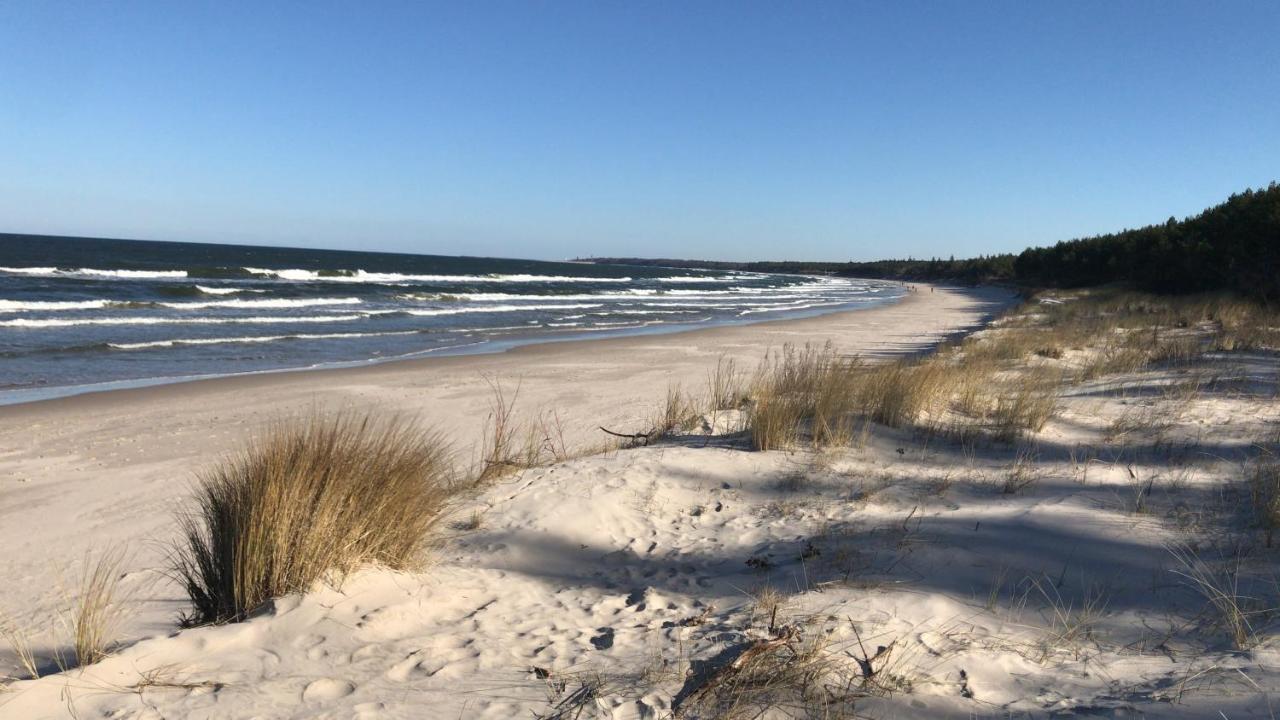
[308, 499]
[89, 623]
[95, 618]
[1002, 383]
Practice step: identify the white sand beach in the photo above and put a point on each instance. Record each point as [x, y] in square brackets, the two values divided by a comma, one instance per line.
[602, 586]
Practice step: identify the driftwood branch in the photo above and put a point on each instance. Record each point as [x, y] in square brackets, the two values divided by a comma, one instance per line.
[727, 665]
[642, 438]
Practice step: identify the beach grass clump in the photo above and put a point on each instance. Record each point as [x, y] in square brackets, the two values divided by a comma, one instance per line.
[679, 413]
[90, 620]
[308, 500]
[897, 393]
[1221, 586]
[725, 389]
[1026, 405]
[19, 641]
[500, 452]
[803, 388]
[96, 614]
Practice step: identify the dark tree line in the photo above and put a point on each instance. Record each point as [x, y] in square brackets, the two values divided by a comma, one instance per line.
[1234, 246]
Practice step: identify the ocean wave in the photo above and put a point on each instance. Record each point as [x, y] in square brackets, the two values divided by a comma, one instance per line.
[697, 279]
[47, 305]
[646, 312]
[226, 291]
[790, 306]
[361, 276]
[486, 297]
[259, 320]
[498, 308]
[656, 294]
[267, 303]
[252, 339]
[95, 272]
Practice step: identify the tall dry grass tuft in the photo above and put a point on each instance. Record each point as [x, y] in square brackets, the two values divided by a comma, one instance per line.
[896, 394]
[679, 414]
[803, 386]
[20, 642]
[95, 617]
[310, 498]
[500, 454]
[1221, 588]
[724, 386]
[1027, 404]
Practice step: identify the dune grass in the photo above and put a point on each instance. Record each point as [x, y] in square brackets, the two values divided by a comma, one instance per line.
[725, 390]
[679, 413]
[801, 386]
[1221, 587]
[308, 499]
[96, 614]
[19, 641]
[89, 622]
[500, 453]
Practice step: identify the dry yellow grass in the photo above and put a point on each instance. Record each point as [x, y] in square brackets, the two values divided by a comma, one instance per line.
[19, 641]
[724, 386]
[1001, 383]
[310, 498]
[678, 414]
[96, 614]
[500, 454]
[802, 386]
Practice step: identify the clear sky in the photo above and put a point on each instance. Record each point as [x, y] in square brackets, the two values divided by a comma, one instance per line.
[784, 130]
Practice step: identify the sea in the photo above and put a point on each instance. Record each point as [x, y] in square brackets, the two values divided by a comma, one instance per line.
[80, 314]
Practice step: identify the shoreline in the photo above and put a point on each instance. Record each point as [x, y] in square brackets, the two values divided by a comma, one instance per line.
[127, 391]
[37, 394]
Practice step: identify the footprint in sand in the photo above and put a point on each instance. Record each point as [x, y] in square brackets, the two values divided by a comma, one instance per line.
[306, 642]
[327, 690]
[604, 640]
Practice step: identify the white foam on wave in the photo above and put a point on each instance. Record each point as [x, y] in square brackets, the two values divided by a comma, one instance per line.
[790, 306]
[647, 312]
[268, 303]
[226, 291]
[361, 276]
[259, 320]
[47, 305]
[697, 279]
[674, 294]
[491, 297]
[95, 272]
[251, 339]
[499, 308]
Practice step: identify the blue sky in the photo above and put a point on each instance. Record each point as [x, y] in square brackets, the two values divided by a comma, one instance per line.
[554, 129]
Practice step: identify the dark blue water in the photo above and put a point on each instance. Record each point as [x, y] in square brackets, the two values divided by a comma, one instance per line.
[77, 312]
